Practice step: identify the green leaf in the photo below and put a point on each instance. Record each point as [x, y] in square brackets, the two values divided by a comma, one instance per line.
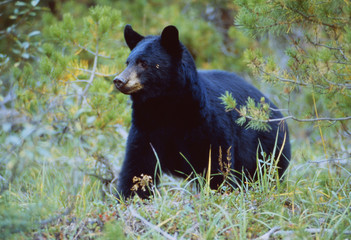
[80, 112]
[34, 33]
[91, 120]
[13, 139]
[35, 2]
[25, 55]
[6, 127]
[20, 3]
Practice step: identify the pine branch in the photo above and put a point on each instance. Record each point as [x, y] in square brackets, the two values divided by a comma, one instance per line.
[339, 48]
[347, 86]
[312, 18]
[290, 80]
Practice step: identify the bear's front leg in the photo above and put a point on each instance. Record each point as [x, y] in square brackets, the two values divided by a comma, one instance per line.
[139, 164]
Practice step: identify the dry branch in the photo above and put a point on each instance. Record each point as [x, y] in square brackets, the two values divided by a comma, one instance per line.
[57, 217]
[156, 228]
[275, 231]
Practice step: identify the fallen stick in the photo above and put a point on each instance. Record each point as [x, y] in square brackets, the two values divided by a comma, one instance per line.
[156, 228]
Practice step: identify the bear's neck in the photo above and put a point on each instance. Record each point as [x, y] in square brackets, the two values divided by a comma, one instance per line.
[183, 110]
[180, 108]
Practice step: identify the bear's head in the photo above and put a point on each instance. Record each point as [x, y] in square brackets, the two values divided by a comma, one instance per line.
[156, 65]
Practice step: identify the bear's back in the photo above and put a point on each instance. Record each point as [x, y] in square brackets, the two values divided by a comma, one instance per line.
[217, 82]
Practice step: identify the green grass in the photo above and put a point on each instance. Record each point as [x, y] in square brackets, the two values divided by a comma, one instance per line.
[54, 200]
[52, 146]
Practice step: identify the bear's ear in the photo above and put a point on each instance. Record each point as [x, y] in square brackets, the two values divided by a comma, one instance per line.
[132, 37]
[170, 39]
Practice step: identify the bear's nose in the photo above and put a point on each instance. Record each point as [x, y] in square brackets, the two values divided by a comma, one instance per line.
[119, 82]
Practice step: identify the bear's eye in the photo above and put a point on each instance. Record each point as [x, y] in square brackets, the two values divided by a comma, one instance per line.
[142, 63]
[127, 63]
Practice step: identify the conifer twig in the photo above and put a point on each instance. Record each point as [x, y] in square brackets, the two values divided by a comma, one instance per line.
[312, 18]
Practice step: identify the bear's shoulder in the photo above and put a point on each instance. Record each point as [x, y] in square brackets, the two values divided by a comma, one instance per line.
[217, 82]
[221, 77]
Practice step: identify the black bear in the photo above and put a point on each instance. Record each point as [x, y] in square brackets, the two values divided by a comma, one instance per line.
[177, 115]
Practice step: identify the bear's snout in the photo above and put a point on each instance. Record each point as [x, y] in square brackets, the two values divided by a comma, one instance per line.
[128, 82]
[119, 82]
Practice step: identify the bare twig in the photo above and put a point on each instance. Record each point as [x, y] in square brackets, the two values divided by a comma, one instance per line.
[348, 86]
[57, 217]
[275, 231]
[89, 51]
[290, 80]
[310, 230]
[101, 178]
[307, 120]
[191, 229]
[330, 160]
[156, 228]
[268, 234]
[291, 117]
[296, 119]
[96, 73]
[318, 230]
[300, 83]
[340, 49]
[286, 80]
[76, 81]
[340, 62]
[93, 73]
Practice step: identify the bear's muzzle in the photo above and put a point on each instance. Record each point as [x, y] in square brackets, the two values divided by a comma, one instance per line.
[127, 82]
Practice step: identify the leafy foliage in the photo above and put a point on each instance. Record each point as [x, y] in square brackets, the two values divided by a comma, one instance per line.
[261, 111]
[16, 16]
[318, 58]
[228, 101]
[63, 126]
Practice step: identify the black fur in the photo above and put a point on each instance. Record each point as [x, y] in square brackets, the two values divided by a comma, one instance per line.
[178, 110]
